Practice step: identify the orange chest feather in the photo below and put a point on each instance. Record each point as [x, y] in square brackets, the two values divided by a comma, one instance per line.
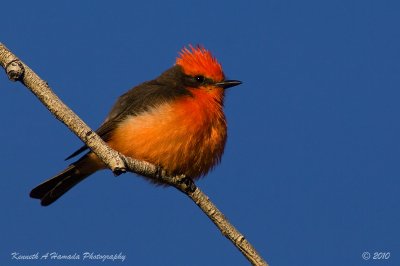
[185, 137]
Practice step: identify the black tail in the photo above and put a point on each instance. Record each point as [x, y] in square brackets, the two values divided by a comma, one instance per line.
[50, 190]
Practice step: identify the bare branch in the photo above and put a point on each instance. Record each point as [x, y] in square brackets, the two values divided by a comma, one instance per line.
[16, 70]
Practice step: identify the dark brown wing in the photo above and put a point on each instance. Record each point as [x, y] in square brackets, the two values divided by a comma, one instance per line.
[141, 98]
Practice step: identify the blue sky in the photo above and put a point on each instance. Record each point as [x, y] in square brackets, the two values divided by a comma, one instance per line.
[311, 169]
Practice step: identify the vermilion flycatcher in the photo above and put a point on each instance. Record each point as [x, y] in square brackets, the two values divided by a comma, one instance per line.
[175, 121]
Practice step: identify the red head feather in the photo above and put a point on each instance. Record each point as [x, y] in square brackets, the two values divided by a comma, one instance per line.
[199, 61]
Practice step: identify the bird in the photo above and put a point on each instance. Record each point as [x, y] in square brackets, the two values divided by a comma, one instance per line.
[175, 121]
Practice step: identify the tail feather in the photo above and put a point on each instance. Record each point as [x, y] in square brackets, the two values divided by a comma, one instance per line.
[53, 188]
[41, 190]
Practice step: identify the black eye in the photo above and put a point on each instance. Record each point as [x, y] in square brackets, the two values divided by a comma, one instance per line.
[199, 79]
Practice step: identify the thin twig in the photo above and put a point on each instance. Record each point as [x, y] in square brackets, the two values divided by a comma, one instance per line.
[16, 70]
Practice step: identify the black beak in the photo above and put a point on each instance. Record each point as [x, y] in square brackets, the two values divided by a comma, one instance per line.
[228, 83]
